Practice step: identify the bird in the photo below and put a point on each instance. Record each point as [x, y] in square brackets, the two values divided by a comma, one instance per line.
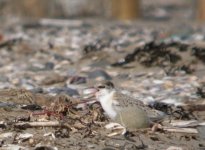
[124, 109]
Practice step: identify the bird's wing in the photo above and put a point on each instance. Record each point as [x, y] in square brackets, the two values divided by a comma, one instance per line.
[126, 100]
[155, 115]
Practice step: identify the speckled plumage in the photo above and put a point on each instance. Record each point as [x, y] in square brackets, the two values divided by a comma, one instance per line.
[127, 101]
[120, 101]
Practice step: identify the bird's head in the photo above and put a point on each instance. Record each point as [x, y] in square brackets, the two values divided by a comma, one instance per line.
[105, 95]
[102, 91]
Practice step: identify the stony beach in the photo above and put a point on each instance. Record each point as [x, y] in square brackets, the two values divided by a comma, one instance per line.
[46, 67]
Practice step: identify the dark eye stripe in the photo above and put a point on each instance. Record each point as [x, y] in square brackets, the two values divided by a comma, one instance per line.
[101, 87]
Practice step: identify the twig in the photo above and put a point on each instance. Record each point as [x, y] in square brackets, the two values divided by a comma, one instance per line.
[60, 22]
[38, 124]
[184, 124]
[9, 42]
[180, 130]
[54, 113]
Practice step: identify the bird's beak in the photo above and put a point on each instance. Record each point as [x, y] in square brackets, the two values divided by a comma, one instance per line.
[90, 93]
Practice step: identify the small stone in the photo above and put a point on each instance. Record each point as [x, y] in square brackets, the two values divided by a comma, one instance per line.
[53, 78]
[49, 66]
[63, 90]
[174, 148]
[37, 90]
[77, 80]
[168, 84]
[201, 130]
[99, 74]
[31, 142]
[3, 78]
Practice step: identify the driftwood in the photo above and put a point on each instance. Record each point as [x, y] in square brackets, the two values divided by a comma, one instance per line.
[175, 129]
[184, 124]
[199, 107]
[60, 22]
[39, 124]
[181, 130]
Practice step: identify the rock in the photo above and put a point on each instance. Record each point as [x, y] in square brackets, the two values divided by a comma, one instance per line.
[49, 66]
[52, 78]
[36, 67]
[37, 90]
[99, 75]
[67, 90]
[31, 107]
[6, 104]
[174, 148]
[3, 78]
[100, 63]
[24, 136]
[6, 135]
[201, 130]
[45, 147]
[13, 147]
[77, 80]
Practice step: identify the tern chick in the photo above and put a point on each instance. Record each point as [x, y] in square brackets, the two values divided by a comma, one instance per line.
[121, 108]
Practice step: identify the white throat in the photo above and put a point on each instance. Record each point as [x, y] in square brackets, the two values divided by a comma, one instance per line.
[107, 104]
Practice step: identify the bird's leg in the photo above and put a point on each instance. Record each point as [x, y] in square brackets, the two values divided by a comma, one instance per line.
[155, 127]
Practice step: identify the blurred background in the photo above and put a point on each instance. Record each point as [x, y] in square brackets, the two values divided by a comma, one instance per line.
[119, 9]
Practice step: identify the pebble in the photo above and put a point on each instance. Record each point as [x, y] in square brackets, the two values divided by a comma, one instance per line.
[52, 51]
[65, 90]
[99, 75]
[174, 148]
[201, 130]
[3, 78]
[49, 66]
